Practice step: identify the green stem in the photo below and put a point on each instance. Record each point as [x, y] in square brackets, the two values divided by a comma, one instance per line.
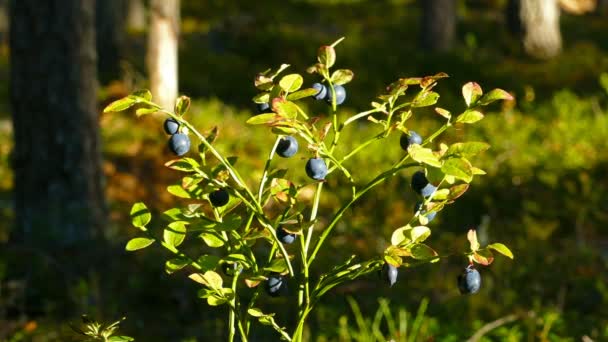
[359, 116]
[266, 168]
[379, 179]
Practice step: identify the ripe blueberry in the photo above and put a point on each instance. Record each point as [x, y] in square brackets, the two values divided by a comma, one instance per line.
[171, 126]
[321, 91]
[340, 94]
[287, 147]
[275, 285]
[179, 144]
[219, 198]
[421, 185]
[410, 139]
[285, 237]
[390, 272]
[316, 168]
[263, 107]
[469, 281]
[430, 216]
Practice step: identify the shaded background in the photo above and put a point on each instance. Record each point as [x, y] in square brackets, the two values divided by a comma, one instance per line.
[545, 195]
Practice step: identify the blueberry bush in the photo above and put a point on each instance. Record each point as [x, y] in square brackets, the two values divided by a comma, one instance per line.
[237, 236]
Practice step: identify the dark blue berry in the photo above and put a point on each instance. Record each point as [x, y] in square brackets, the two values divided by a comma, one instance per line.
[421, 185]
[171, 126]
[275, 285]
[340, 95]
[430, 216]
[469, 281]
[390, 272]
[316, 168]
[321, 91]
[287, 147]
[263, 107]
[219, 198]
[285, 237]
[409, 139]
[179, 144]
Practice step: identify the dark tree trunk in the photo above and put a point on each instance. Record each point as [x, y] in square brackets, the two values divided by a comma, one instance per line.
[59, 195]
[110, 19]
[438, 25]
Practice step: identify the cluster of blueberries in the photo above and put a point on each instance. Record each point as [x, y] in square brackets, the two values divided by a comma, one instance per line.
[470, 280]
[179, 144]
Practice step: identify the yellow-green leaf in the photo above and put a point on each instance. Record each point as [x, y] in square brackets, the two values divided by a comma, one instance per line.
[138, 243]
[469, 117]
[175, 233]
[291, 82]
[423, 155]
[459, 168]
[140, 215]
[502, 249]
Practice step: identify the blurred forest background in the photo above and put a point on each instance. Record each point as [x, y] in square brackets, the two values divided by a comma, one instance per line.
[68, 175]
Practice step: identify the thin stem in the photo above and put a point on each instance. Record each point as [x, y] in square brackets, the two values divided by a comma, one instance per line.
[379, 179]
[359, 116]
[266, 168]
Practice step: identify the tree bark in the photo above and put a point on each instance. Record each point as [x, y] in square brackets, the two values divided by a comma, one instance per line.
[110, 21]
[136, 15]
[438, 25]
[59, 195]
[162, 51]
[540, 28]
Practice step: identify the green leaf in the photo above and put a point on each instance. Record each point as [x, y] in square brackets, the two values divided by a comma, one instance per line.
[342, 76]
[394, 260]
[210, 279]
[120, 105]
[300, 94]
[407, 234]
[502, 249]
[178, 191]
[467, 149]
[469, 117]
[459, 168]
[277, 265]
[140, 215]
[471, 93]
[175, 233]
[215, 301]
[208, 262]
[495, 95]
[264, 119]
[255, 312]
[262, 98]
[421, 251]
[176, 264]
[457, 191]
[291, 82]
[182, 104]
[212, 239]
[145, 110]
[143, 93]
[284, 108]
[138, 243]
[423, 155]
[183, 164]
[327, 55]
[120, 339]
[425, 99]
